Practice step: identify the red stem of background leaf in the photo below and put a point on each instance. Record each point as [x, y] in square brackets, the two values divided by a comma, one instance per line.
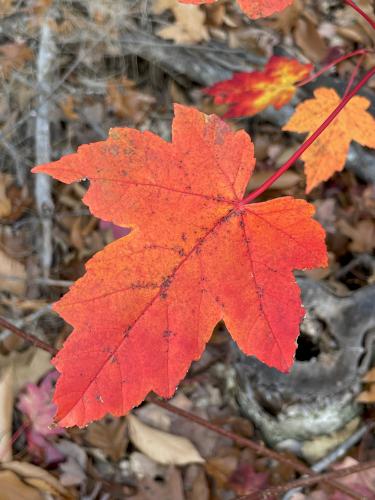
[359, 52]
[360, 11]
[268, 183]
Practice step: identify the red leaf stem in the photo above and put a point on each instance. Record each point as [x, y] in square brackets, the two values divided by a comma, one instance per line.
[361, 12]
[330, 65]
[268, 183]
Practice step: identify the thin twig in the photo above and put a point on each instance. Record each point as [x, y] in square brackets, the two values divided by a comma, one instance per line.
[27, 336]
[333, 456]
[354, 74]
[332, 64]
[309, 481]
[42, 191]
[258, 448]
[27, 319]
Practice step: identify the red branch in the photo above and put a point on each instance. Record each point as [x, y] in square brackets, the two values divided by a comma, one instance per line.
[353, 75]
[268, 183]
[359, 52]
[361, 12]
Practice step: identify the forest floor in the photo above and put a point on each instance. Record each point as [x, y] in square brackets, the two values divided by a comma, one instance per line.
[113, 63]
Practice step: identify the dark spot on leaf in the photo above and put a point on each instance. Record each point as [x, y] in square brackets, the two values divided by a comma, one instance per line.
[164, 287]
[167, 334]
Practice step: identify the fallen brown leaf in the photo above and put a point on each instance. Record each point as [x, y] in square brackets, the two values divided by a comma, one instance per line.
[161, 446]
[110, 436]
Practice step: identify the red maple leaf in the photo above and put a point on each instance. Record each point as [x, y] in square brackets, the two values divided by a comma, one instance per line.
[249, 93]
[197, 254]
[253, 8]
[328, 153]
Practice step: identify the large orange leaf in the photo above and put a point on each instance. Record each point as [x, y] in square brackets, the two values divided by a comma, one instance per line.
[328, 153]
[149, 301]
[249, 93]
[253, 8]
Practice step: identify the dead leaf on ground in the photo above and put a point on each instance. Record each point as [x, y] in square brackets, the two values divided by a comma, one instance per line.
[368, 395]
[370, 376]
[286, 20]
[221, 468]
[362, 235]
[67, 106]
[73, 470]
[362, 482]
[127, 101]
[13, 56]
[245, 479]
[109, 436]
[6, 413]
[162, 447]
[169, 489]
[196, 484]
[189, 25]
[309, 40]
[12, 275]
[143, 466]
[39, 479]
[13, 488]
[29, 366]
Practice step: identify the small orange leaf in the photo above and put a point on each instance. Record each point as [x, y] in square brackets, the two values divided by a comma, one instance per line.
[197, 255]
[253, 8]
[250, 93]
[328, 153]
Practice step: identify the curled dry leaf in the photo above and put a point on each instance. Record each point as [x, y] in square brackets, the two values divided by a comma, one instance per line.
[39, 478]
[13, 487]
[197, 254]
[253, 8]
[164, 448]
[189, 25]
[249, 93]
[12, 275]
[328, 153]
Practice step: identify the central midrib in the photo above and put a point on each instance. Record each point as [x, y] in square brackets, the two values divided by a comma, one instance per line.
[149, 304]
